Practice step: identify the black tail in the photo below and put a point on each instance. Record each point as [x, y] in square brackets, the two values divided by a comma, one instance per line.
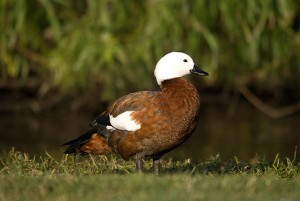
[73, 146]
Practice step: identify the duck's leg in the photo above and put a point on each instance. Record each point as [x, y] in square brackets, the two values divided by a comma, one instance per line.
[156, 165]
[139, 165]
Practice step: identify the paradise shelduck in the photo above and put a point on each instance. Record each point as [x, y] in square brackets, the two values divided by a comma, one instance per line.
[147, 123]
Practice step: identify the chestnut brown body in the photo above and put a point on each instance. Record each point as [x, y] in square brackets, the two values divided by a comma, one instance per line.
[167, 117]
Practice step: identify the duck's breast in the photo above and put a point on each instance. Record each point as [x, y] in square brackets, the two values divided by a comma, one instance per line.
[167, 120]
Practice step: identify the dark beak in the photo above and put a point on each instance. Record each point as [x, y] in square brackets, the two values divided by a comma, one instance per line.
[198, 71]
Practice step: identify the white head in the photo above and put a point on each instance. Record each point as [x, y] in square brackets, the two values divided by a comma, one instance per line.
[175, 64]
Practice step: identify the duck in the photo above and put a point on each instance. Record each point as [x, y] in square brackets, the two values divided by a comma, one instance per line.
[147, 124]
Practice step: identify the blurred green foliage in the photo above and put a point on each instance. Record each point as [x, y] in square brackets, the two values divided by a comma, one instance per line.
[115, 44]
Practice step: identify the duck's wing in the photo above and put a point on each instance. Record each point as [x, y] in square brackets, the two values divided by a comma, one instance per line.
[118, 114]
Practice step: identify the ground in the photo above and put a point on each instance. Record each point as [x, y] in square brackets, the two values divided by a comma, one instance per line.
[110, 178]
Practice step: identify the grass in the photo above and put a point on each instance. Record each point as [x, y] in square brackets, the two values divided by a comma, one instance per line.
[111, 178]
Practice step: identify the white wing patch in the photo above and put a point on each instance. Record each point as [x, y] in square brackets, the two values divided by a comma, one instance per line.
[110, 128]
[124, 122]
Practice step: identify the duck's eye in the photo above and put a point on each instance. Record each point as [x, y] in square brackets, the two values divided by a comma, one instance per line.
[184, 60]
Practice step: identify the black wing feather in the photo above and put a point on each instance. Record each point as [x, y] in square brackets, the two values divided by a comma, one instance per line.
[101, 120]
[74, 145]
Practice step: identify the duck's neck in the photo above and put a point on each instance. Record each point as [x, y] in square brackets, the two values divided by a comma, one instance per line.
[176, 84]
[181, 97]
